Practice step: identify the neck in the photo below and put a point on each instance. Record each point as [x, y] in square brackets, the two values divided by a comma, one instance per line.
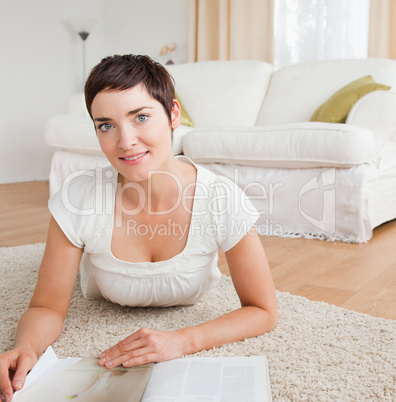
[160, 192]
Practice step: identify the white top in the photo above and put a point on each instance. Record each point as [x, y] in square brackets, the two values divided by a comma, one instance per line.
[84, 209]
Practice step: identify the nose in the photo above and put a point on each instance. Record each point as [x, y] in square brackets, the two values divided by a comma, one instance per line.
[127, 138]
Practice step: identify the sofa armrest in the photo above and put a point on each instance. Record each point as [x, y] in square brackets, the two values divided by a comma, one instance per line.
[377, 112]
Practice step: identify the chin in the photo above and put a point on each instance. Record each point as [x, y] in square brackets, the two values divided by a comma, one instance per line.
[135, 177]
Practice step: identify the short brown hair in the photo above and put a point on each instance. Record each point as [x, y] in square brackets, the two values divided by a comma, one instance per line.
[124, 72]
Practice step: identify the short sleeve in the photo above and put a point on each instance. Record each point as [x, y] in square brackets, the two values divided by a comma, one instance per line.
[232, 211]
[73, 207]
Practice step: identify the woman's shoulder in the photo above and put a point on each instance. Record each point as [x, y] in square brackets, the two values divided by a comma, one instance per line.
[81, 201]
[217, 184]
[84, 189]
[206, 176]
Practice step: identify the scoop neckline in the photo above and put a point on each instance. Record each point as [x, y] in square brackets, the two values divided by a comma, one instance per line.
[189, 236]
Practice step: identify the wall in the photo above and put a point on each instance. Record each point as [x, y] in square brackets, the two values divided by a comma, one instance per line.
[41, 64]
[144, 27]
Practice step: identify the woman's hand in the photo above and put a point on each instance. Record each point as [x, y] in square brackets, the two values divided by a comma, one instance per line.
[18, 361]
[144, 346]
[42, 322]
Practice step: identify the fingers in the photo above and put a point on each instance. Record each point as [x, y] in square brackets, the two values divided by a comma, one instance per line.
[21, 363]
[139, 348]
[132, 342]
[5, 383]
[128, 348]
[132, 359]
[24, 365]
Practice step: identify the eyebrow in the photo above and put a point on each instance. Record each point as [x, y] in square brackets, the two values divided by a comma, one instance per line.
[130, 113]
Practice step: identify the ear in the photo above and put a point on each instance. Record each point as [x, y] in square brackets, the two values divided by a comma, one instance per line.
[175, 114]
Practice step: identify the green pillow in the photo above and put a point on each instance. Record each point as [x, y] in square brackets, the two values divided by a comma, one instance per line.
[337, 107]
[185, 117]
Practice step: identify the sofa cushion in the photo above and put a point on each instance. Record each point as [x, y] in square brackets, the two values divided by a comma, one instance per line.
[296, 91]
[185, 117]
[222, 93]
[337, 107]
[77, 133]
[297, 145]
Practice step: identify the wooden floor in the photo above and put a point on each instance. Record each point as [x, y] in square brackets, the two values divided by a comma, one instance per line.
[360, 277]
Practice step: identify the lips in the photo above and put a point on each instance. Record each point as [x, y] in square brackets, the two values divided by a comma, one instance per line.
[134, 157]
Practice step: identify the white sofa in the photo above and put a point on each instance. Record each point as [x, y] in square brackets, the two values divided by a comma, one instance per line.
[251, 124]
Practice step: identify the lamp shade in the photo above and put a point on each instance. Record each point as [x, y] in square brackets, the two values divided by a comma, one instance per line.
[82, 25]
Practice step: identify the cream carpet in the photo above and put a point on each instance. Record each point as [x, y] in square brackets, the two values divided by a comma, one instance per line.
[317, 352]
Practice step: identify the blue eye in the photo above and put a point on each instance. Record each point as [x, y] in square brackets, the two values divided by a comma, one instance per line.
[105, 127]
[142, 118]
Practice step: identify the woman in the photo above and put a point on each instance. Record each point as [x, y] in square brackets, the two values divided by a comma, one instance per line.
[146, 231]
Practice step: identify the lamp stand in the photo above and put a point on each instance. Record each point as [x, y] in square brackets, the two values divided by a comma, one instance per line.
[83, 35]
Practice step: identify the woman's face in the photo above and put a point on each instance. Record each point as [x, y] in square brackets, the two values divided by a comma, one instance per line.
[134, 131]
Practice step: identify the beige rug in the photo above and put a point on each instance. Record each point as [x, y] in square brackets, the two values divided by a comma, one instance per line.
[317, 352]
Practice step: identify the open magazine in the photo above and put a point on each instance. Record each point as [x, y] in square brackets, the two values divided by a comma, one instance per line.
[239, 379]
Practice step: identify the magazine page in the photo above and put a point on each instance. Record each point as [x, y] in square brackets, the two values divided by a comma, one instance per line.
[87, 381]
[47, 366]
[239, 379]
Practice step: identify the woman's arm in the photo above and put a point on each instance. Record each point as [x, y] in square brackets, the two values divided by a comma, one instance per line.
[42, 322]
[258, 314]
[253, 283]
